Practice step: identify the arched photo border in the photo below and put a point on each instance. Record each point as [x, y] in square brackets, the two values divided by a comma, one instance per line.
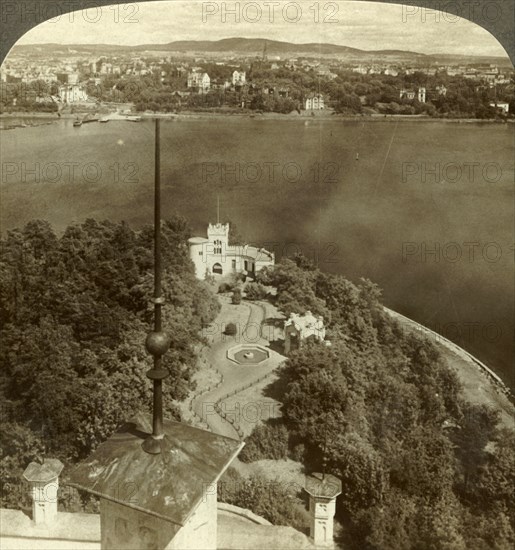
[496, 16]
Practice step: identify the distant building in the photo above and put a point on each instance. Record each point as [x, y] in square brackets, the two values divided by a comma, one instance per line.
[391, 72]
[238, 78]
[314, 102]
[199, 82]
[407, 94]
[410, 94]
[360, 69]
[215, 256]
[504, 107]
[471, 74]
[441, 90]
[300, 327]
[324, 72]
[72, 94]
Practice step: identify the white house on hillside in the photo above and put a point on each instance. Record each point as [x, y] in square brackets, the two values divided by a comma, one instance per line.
[314, 102]
[215, 256]
[199, 81]
[72, 93]
[300, 327]
[238, 78]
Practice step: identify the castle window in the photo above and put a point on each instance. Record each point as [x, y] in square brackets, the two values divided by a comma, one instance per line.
[200, 253]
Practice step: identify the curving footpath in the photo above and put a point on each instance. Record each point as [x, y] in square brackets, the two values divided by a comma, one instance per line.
[233, 378]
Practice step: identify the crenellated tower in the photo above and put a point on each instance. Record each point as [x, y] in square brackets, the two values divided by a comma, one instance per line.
[218, 235]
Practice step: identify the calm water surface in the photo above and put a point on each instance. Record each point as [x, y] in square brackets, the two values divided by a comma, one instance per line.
[359, 197]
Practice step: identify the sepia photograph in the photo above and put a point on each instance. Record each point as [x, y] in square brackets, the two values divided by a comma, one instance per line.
[257, 275]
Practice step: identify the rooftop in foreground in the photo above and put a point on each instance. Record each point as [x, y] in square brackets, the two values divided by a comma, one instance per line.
[167, 485]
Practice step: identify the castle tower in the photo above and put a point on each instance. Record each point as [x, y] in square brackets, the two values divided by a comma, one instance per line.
[218, 235]
[322, 490]
[44, 479]
[421, 95]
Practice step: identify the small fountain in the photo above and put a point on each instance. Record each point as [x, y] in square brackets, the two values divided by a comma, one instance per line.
[248, 354]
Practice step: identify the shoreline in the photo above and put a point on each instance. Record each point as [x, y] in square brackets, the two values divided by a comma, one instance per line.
[270, 116]
[480, 383]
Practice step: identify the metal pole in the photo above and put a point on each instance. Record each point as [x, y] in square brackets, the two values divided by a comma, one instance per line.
[157, 341]
[157, 229]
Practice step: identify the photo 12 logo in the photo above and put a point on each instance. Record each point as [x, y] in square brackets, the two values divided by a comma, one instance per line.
[451, 12]
[270, 12]
[238, 412]
[452, 252]
[270, 172]
[276, 488]
[69, 172]
[70, 11]
[452, 172]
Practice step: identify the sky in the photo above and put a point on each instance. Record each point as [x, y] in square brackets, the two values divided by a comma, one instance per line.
[363, 25]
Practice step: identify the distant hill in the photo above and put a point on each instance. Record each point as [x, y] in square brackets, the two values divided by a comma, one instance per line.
[254, 47]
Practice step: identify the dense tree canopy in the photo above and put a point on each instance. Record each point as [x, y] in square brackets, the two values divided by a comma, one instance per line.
[382, 410]
[74, 313]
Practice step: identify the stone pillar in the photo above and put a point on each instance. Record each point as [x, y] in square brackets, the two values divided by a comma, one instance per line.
[44, 480]
[322, 490]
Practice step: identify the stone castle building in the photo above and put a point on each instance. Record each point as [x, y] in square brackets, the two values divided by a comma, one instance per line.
[215, 256]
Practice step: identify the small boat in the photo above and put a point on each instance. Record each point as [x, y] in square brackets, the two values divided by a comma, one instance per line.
[133, 118]
[104, 119]
[77, 123]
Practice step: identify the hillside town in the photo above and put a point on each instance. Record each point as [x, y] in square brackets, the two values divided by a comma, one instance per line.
[170, 82]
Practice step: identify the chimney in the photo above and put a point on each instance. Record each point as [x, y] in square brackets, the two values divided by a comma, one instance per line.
[322, 490]
[44, 480]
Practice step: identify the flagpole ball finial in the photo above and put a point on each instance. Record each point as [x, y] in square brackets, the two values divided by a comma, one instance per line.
[157, 343]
